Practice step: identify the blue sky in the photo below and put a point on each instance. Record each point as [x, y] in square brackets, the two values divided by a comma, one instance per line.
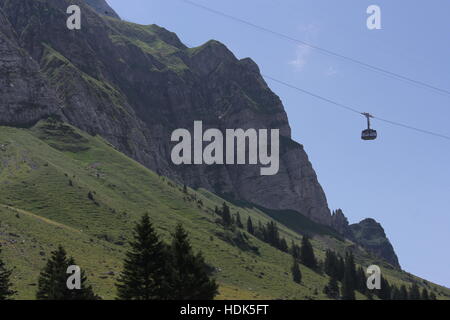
[402, 179]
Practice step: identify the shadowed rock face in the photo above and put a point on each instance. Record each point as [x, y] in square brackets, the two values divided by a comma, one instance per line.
[340, 223]
[25, 95]
[135, 84]
[102, 7]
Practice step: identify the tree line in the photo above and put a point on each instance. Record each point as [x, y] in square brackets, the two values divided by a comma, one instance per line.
[344, 271]
[344, 277]
[152, 270]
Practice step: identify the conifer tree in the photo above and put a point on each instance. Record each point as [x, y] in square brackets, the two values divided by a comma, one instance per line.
[348, 292]
[190, 274]
[145, 275]
[307, 256]
[414, 293]
[329, 263]
[385, 291]
[226, 215]
[295, 251]
[283, 245]
[395, 293]
[349, 280]
[52, 283]
[351, 267]
[6, 291]
[403, 293]
[425, 295]
[238, 221]
[341, 268]
[260, 232]
[296, 273]
[361, 280]
[272, 235]
[332, 288]
[250, 228]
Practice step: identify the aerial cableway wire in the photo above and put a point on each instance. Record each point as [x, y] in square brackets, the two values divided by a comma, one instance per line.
[348, 108]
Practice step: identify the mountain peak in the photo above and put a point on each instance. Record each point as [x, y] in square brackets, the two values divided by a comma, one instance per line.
[370, 235]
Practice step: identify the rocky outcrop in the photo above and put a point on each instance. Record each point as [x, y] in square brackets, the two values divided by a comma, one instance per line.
[340, 223]
[370, 235]
[135, 84]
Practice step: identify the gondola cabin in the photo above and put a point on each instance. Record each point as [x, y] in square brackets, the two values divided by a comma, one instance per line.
[369, 134]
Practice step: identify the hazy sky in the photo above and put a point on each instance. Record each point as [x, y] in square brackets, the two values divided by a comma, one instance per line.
[402, 179]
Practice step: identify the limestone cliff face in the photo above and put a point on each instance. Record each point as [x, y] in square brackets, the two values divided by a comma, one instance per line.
[135, 84]
[25, 95]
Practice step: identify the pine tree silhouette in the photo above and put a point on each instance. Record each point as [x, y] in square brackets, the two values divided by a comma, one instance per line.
[296, 273]
[52, 283]
[403, 293]
[349, 280]
[190, 274]
[238, 221]
[145, 275]
[226, 215]
[425, 295]
[414, 293]
[250, 228]
[332, 288]
[307, 256]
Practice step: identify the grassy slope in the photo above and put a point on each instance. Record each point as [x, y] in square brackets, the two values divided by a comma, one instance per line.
[46, 174]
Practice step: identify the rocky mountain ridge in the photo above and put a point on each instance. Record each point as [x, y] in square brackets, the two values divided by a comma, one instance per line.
[134, 85]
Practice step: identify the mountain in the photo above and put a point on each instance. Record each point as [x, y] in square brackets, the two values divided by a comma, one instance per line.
[134, 85]
[86, 118]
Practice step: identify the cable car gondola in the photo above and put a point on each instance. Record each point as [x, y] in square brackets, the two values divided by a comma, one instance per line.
[368, 134]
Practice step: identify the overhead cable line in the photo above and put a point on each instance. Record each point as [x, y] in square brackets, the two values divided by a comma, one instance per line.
[354, 110]
[323, 50]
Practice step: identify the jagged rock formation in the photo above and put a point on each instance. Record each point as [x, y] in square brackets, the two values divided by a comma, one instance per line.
[340, 223]
[135, 84]
[367, 233]
[370, 235]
